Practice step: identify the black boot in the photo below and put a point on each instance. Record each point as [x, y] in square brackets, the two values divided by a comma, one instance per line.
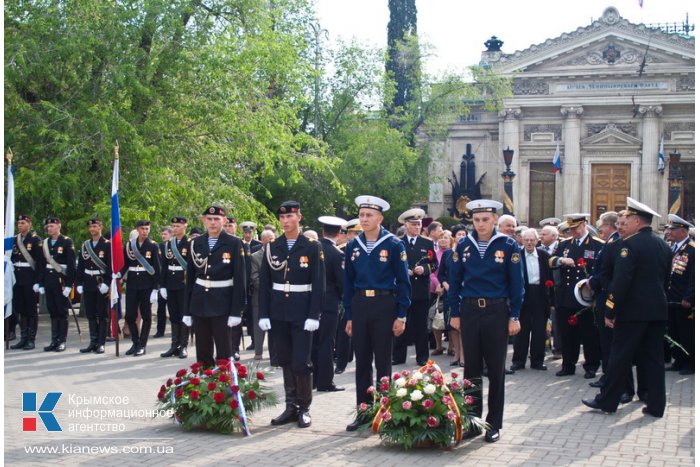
[304, 392]
[291, 412]
[23, 330]
[62, 334]
[174, 342]
[32, 322]
[102, 325]
[145, 329]
[54, 336]
[92, 325]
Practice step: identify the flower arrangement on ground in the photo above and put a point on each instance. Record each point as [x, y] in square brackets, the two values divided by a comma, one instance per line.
[216, 399]
[421, 408]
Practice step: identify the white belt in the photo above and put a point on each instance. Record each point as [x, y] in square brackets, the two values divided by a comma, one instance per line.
[63, 266]
[22, 264]
[93, 272]
[291, 287]
[214, 284]
[174, 268]
[137, 268]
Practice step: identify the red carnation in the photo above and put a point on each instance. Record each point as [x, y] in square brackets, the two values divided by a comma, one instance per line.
[234, 404]
[430, 255]
[181, 373]
[208, 372]
[194, 367]
[211, 386]
[161, 394]
[177, 381]
[221, 361]
[549, 284]
[179, 393]
[252, 395]
[384, 387]
[260, 375]
[396, 376]
[219, 397]
[581, 262]
[235, 389]
[223, 377]
[428, 403]
[195, 381]
[162, 388]
[573, 320]
[432, 422]
[194, 395]
[469, 400]
[242, 371]
[169, 383]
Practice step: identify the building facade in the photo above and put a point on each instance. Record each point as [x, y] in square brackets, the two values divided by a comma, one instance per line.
[603, 97]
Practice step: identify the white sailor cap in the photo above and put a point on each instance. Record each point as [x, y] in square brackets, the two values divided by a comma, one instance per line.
[520, 229]
[248, 225]
[354, 225]
[372, 202]
[484, 205]
[415, 214]
[635, 208]
[676, 222]
[563, 227]
[592, 230]
[576, 219]
[332, 221]
[553, 221]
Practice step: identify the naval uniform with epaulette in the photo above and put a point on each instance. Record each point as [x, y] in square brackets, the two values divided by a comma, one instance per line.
[681, 322]
[27, 262]
[95, 273]
[58, 272]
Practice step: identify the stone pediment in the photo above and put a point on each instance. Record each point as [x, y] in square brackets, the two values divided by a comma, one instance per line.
[611, 134]
[607, 43]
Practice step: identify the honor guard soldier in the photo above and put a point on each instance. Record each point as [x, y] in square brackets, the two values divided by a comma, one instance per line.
[636, 310]
[485, 278]
[142, 273]
[292, 287]
[422, 261]
[681, 295]
[231, 226]
[56, 280]
[166, 233]
[93, 278]
[27, 262]
[173, 281]
[324, 338]
[376, 296]
[216, 287]
[575, 259]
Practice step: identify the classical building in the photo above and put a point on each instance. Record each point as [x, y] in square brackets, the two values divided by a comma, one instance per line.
[603, 96]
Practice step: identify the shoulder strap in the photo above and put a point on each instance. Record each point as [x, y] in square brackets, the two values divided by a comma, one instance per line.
[87, 244]
[49, 259]
[176, 253]
[23, 249]
[139, 257]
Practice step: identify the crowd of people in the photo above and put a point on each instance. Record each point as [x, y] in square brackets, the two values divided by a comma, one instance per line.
[357, 291]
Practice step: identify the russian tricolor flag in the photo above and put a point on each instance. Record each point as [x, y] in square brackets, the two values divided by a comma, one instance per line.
[661, 165]
[9, 272]
[117, 252]
[556, 160]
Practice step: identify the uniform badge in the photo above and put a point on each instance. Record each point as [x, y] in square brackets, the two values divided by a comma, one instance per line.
[566, 253]
[499, 255]
[29, 246]
[148, 255]
[101, 254]
[303, 261]
[589, 254]
[59, 250]
[323, 258]
[515, 258]
[184, 251]
[384, 256]
[624, 252]
[226, 257]
[404, 258]
[455, 257]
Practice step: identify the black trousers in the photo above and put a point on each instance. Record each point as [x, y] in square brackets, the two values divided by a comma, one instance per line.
[56, 303]
[682, 330]
[322, 350]
[138, 300]
[485, 339]
[416, 333]
[584, 332]
[212, 331]
[372, 335]
[24, 300]
[96, 310]
[176, 303]
[343, 344]
[645, 340]
[533, 327]
[293, 346]
[606, 336]
[160, 314]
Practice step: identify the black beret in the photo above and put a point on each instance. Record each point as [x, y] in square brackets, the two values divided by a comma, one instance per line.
[23, 217]
[289, 207]
[214, 211]
[94, 220]
[178, 220]
[143, 223]
[52, 220]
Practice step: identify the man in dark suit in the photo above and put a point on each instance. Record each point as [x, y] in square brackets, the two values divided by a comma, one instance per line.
[575, 259]
[292, 286]
[28, 263]
[422, 261]
[533, 315]
[636, 310]
[324, 338]
[216, 287]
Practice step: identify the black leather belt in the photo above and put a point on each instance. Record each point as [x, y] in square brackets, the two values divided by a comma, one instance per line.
[374, 292]
[484, 302]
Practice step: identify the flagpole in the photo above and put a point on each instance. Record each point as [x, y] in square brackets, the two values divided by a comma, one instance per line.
[8, 156]
[113, 309]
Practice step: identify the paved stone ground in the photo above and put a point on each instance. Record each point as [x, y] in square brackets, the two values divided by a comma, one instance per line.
[545, 423]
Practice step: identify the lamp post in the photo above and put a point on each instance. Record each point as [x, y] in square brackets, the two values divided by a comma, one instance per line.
[675, 183]
[508, 176]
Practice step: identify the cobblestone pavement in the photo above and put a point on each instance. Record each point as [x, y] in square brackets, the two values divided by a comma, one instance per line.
[545, 423]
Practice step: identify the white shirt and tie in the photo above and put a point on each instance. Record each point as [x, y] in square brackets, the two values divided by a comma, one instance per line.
[678, 245]
[533, 267]
[411, 240]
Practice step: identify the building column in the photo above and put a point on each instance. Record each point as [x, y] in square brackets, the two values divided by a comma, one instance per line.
[650, 178]
[511, 139]
[571, 162]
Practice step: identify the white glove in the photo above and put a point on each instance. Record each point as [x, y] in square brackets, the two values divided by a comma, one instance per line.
[117, 275]
[104, 288]
[79, 289]
[233, 321]
[310, 325]
[164, 293]
[42, 290]
[187, 320]
[154, 296]
[265, 324]
[36, 288]
[66, 291]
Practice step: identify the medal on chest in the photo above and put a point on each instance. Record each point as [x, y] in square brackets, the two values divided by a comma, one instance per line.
[29, 247]
[226, 257]
[148, 255]
[384, 256]
[303, 261]
[59, 250]
[355, 254]
[589, 254]
[499, 255]
[466, 254]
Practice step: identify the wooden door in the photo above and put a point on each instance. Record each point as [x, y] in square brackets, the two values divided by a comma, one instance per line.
[610, 187]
